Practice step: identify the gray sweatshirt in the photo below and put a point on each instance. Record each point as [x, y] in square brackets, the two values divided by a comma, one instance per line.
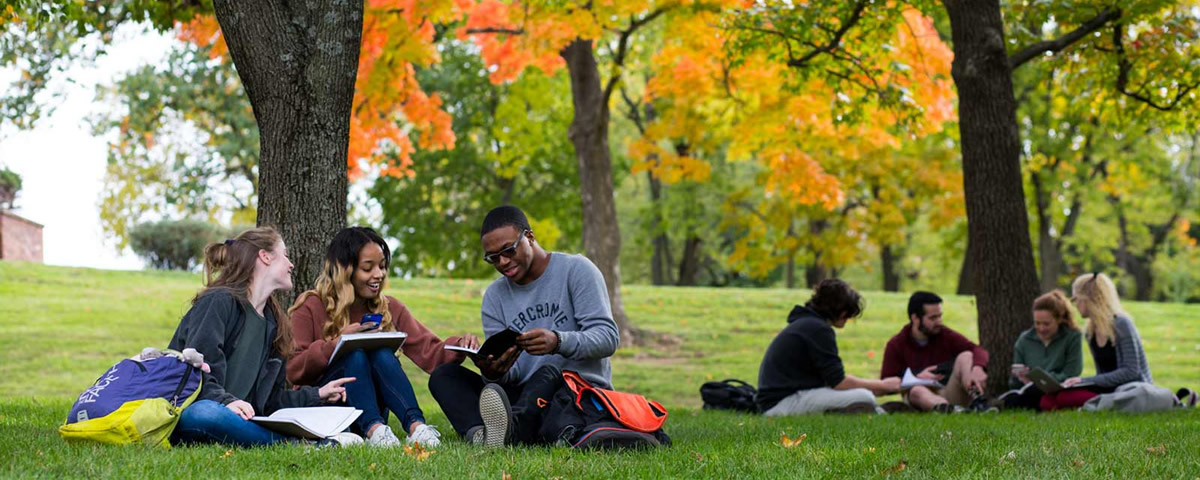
[570, 299]
[1131, 358]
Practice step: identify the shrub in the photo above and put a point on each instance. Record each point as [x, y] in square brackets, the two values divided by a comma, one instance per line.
[173, 244]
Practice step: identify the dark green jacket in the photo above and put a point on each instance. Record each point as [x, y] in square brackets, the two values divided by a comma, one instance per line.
[1062, 359]
[212, 327]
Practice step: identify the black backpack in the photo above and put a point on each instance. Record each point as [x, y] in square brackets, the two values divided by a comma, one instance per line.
[729, 394]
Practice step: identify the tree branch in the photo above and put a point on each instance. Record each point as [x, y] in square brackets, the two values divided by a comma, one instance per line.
[859, 7]
[1123, 68]
[623, 49]
[500, 30]
[1029, 53]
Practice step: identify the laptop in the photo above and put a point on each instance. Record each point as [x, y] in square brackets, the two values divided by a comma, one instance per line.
[1047, 383]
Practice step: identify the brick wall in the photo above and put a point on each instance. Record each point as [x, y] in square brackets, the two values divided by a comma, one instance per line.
[20, 239]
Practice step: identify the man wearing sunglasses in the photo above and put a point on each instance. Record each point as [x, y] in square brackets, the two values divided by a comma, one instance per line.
[560, 305]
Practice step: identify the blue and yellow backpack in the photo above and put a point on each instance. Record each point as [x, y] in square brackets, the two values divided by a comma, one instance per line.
[136, 401]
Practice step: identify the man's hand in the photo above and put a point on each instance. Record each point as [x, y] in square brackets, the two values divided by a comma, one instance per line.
[242, 408]
[928, 374]
[334, 392]
[977, 379]
[538, 341]
[494, 368]
[888, 385]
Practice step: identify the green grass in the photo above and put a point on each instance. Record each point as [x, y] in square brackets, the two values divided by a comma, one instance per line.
[63, 326]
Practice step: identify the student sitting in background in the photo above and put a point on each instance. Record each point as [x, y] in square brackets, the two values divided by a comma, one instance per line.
[935, 352]
[1054, 344]
[1113, 340]
[801, 371]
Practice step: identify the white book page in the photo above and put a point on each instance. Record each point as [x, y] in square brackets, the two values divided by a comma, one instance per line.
[321, 422]
[911, 380]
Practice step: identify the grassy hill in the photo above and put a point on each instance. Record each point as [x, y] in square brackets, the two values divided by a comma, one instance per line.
[63, 326]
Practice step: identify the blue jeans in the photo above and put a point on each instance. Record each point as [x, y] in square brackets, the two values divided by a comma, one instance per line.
[380, 386]
[206, 421]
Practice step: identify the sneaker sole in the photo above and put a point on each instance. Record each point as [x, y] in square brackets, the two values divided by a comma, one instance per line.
[495, 410]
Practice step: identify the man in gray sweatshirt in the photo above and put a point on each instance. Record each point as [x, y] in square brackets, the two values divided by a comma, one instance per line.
[560, 305]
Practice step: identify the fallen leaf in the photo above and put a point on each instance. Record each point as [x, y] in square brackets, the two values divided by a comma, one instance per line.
[417, 451]
[1077, 463]
[699, 458]
[870, 354]
[869, 450]
[371, 467]
[899, 467]
[505, 476]
[1159, 450]
[901, 442]
[228, 453]
[1012, 455]
[789, 443]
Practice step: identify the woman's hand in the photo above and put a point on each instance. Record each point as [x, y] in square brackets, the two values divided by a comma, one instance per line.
[354, 327]
[242, 408]
[334, 392]
[469, 341]
[1071, 382]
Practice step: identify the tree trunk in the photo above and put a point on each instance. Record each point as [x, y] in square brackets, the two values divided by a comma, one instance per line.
[790, 274]
[1001, 253]
[689, 265]
[1049, 256]
[298, 62]
[815, 271]
[589, 135]
[964, 274]
[890, 267]
[660, 262]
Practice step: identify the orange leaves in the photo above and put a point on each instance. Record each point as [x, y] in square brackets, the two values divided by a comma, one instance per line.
[418, 452]
[791, 442]
[388, 102]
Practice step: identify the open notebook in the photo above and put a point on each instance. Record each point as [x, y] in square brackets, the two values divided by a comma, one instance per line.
[310, 422]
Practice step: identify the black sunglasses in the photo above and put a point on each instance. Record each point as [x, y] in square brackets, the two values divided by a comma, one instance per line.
[507, 252]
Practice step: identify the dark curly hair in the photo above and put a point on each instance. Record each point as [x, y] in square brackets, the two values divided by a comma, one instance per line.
[834, 300]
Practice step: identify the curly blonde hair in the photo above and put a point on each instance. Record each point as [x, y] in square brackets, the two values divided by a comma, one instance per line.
[1098, 293]
[335, 287]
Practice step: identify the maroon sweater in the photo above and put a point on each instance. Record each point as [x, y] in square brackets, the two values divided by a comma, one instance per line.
[903, 351]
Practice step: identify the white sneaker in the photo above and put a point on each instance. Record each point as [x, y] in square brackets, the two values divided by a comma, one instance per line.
[344, 439]
[425, 435]
[383, 437]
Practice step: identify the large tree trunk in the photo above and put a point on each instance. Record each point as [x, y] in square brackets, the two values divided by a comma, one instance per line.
[891, 268]
[298, 62]
[1049, 255]
[815, 271]
[589, 135]
[1001, 253]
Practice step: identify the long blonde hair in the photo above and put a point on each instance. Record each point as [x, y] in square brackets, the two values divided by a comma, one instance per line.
[334, 286]
[229, 267]
[1103, 305]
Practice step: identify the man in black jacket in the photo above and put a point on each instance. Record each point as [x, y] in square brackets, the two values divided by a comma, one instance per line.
[802, 372]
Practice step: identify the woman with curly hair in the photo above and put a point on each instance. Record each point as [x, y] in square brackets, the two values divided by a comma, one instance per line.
[349, 287]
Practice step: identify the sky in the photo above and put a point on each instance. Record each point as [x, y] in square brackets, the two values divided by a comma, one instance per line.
[62, 165]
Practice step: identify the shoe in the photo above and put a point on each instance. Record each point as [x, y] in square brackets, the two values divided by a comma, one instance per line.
[474, 435]
[982, 405]
[425, 435]
[1187, 397]
[943, 408]
[497, 416]
[344, 439]
[383, 437]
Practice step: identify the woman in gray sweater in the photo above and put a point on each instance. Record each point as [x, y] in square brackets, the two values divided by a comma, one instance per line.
[1113, 340]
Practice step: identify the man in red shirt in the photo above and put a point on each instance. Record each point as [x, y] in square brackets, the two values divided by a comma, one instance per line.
[935, 352]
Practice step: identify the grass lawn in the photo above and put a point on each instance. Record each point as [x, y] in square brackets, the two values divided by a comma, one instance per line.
[63, 326]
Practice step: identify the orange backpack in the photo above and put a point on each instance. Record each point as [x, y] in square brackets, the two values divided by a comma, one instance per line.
[632, 410]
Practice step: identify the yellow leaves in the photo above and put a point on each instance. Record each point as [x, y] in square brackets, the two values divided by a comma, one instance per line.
[897, 468]
[227, 454]
[418, 452]
[1159, 450]
[791, 442]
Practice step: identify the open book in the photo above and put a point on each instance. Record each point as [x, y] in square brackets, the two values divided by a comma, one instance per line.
[310, 422]
[368, 341]
[910, 381]
[494, 345]
[1047, 383]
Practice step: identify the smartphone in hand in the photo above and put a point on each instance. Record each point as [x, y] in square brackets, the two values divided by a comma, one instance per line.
[371, 321]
